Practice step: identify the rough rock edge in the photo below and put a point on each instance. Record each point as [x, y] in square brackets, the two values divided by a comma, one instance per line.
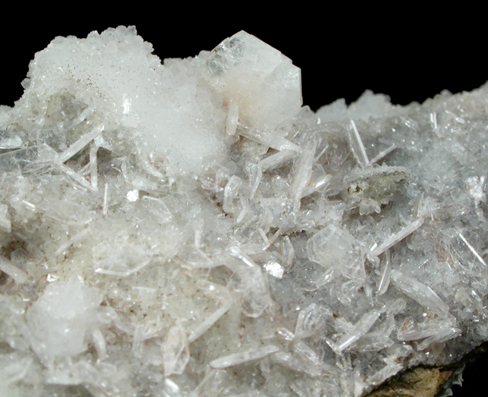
[427, 381]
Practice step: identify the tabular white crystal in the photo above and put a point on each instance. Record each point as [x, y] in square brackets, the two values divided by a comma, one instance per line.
[335, 247]
[255, 79]
[187, 228]
[59, 320]
[120, 259]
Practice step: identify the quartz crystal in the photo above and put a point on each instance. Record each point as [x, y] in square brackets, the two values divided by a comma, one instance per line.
[187, 228]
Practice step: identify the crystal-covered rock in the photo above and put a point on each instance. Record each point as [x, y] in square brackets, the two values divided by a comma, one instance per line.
[186, 228]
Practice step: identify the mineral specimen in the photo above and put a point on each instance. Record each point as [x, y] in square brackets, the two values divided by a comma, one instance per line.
[187, 228]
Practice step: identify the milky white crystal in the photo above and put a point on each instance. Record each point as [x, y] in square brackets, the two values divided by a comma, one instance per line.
[187, 228]
[60, 319]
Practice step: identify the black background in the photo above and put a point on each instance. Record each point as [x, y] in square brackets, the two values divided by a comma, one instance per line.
[402, 50]
[406, 53]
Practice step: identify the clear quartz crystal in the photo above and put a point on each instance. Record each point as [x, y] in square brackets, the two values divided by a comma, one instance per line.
[187, 228]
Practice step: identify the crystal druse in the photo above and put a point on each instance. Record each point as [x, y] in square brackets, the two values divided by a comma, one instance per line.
[188, 228]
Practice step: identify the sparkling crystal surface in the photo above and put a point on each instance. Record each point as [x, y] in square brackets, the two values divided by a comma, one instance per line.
[186, 228]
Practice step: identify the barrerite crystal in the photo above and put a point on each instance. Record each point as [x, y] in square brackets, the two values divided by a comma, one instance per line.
[187, 228]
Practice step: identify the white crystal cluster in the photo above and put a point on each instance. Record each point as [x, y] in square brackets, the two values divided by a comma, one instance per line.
[188, 229]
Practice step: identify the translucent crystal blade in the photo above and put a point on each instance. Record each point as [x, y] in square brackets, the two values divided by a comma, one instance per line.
[176, 353]
[419, 292]
[243, 357]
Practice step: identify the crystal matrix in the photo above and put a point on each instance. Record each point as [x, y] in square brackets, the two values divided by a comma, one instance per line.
[187, 228]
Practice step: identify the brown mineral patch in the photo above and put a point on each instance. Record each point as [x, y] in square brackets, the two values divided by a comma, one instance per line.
[418, 382]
